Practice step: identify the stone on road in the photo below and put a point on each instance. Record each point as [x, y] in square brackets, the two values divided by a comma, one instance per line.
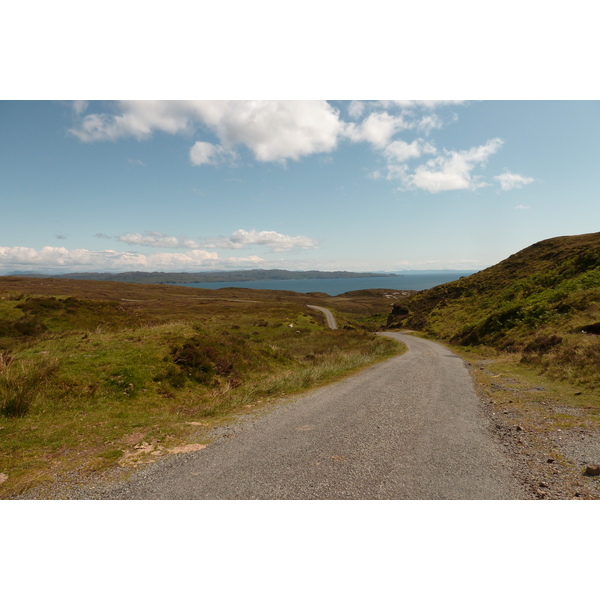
[411, 427]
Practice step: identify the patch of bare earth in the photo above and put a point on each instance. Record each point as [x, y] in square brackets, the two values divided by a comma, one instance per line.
[551, 445]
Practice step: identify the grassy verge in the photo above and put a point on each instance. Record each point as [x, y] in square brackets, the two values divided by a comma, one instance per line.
[86, 385]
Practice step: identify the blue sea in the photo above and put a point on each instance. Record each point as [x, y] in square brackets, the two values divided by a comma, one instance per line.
[334, 287]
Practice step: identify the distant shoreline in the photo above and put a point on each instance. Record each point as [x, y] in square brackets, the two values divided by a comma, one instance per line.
[341, 285]
[253, 275]
[209, 276]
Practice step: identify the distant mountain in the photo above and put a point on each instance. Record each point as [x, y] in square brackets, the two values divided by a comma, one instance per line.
[210, 277]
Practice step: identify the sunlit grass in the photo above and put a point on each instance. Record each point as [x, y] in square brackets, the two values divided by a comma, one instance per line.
[96, 379]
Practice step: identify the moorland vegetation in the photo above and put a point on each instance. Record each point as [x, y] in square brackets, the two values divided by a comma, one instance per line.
[540, 305]
[96, 374]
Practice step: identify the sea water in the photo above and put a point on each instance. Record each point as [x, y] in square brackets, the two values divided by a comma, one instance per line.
[334, 287]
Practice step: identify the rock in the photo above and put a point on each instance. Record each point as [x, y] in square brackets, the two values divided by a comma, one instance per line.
[592, 470]
[519, 428]
[3, 478]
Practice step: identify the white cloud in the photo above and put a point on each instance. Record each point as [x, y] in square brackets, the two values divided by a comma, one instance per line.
[522, 207]
[79, 106]
[453, 170]
[429, 123]
[198, 258]
[277, 131]
[401, 151]
[241, 238]
[52, 258]
[138, 118]
[276, 241]
[205, 153]
[356, 108]
[511, 181]
[428, 104]
[272, 130]
[156, 239]
[377, 129]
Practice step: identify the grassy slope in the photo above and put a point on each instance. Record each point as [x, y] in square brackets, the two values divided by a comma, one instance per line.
[522, 326]
[94, 374]
[538, 303]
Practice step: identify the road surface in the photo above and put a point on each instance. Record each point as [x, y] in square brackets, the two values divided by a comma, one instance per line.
[411, 427]
[330, 318]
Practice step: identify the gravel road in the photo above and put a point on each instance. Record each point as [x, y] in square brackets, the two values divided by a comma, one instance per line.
[331, 322]
[411, 427]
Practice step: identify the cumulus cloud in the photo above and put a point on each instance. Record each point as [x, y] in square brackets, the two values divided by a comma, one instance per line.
[429, 122]
[512, 181]
[241, 238]
[156, 239]
[138, 118]
[356, 108]
[205, 153]
[453, 170]
[273, 240]
[272, 130]
[428, 104]
[278, 131]
[401, 151]
[69, 260]
[377, 129]
[398, 152]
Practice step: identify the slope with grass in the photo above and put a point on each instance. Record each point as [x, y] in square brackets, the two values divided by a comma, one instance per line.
[100, 374]
[528, 327]
[542, 303]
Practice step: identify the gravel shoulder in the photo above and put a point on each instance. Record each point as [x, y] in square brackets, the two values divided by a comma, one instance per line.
[549, 460]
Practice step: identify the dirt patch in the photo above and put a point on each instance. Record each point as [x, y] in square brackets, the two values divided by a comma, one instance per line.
[145, 453]
[549, 460]
[187, 448]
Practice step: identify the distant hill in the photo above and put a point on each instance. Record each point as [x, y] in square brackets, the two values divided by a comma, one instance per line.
[543, 301]
[210, 277]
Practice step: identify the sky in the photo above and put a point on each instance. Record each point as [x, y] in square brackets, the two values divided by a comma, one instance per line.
[357, 185]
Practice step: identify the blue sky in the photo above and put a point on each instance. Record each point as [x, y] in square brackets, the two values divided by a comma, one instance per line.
[310, 184]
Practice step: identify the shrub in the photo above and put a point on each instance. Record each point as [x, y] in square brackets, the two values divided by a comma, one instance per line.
[542, 344]
[22, 383]
[203, 360]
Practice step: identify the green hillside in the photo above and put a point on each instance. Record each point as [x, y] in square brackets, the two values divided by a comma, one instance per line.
[542, 302]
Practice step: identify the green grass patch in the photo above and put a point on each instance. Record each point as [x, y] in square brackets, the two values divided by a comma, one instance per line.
[106, 377]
